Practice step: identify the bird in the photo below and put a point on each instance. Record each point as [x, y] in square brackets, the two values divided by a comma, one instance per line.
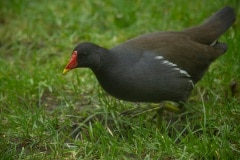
[156, 67]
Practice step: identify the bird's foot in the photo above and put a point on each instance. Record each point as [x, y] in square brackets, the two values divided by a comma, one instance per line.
[173, 107]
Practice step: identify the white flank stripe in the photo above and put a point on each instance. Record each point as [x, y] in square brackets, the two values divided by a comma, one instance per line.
[191, 83]
[173, 65]
[159, 57]
[169, 63]
[184, 72]
[177, 69]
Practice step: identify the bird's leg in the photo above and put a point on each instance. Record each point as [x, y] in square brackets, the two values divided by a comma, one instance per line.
[140, 110]
[169, 106]
[160, 118]
[173, 107]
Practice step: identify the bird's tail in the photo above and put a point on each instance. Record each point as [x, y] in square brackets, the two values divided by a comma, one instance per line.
[213, 27]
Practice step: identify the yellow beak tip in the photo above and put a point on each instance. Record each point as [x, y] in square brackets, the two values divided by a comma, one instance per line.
[65, 71]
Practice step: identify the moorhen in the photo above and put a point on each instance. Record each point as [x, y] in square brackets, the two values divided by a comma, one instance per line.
[156, 67]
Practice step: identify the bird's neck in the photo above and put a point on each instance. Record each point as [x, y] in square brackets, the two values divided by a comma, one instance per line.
[105, 58]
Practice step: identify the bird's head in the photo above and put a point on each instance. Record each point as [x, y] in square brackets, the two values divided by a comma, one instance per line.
[86, 55]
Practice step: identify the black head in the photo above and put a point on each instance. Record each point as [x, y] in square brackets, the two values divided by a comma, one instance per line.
[86, 55]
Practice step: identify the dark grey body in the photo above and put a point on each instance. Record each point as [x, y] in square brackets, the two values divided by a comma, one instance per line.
[142, 82]
[158, 66]
[146, 79]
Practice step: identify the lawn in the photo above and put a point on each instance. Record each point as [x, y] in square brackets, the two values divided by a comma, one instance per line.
[45, 115]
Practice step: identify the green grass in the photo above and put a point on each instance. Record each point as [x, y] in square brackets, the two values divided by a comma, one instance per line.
[45, 115]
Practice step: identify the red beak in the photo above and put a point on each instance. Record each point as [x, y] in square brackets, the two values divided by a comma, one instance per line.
[72, 63]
